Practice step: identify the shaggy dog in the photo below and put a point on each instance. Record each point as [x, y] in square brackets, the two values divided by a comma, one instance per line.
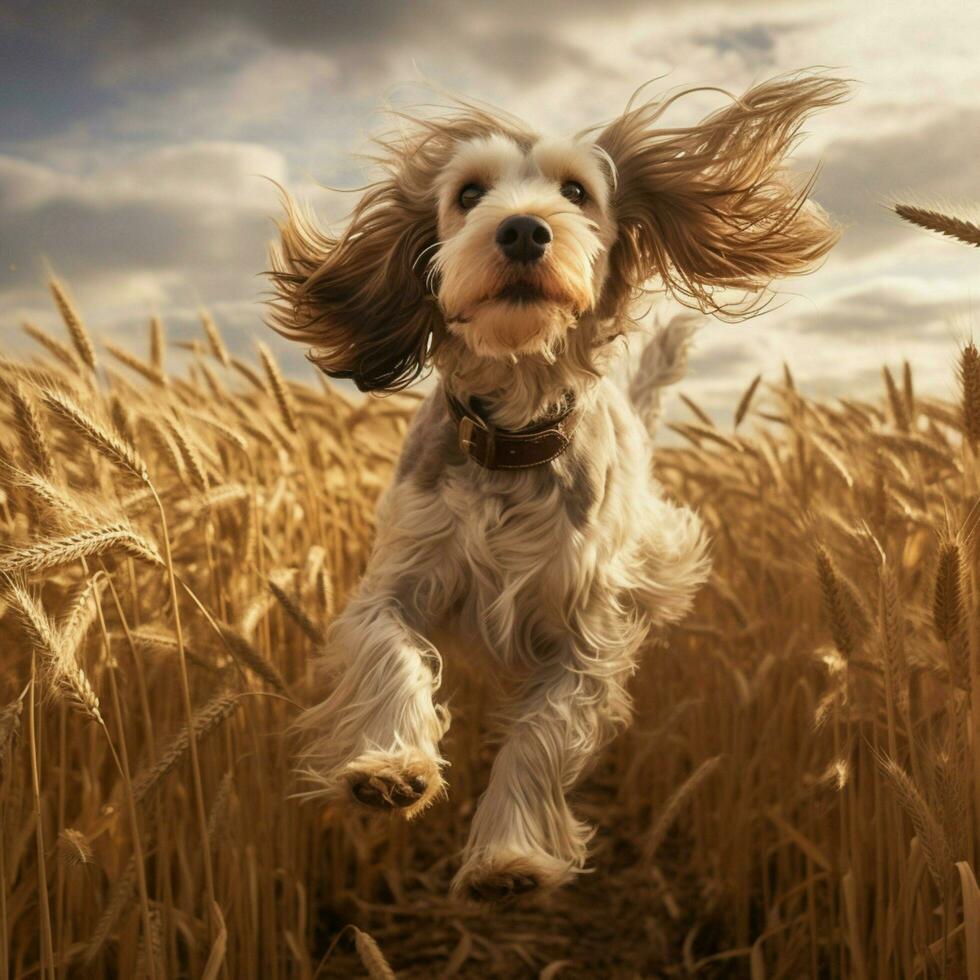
[523, 512]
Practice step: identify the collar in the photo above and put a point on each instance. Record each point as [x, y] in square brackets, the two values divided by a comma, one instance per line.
[512, 449]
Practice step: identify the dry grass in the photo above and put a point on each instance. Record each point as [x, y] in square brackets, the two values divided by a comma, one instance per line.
[798, 797]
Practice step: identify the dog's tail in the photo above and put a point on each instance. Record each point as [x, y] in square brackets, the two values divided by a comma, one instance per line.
[662, 362]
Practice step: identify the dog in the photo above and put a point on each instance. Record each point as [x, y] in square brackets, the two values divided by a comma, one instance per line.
[523, 511]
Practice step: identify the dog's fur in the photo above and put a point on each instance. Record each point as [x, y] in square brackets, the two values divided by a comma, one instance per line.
[561, 571]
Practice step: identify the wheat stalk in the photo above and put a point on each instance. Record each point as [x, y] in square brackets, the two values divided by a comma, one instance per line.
[134, 363]
[109, 445]
[189, 455]
[249, 657]
[371, 956]
[292, 608]
[54, 347]
[935, 844]
[675, 803]
[969, 371]
[34, 443]
[965, 231]
[158, 345]
[73, 321]
[281, 393]
[74, 848]
[206, 719]
[91, 543]
[63, 671]
[217, 345]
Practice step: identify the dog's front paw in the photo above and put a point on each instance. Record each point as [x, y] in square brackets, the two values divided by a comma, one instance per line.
[506, 877]
[404, 782]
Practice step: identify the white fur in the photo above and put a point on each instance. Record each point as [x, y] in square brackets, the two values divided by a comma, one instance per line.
[557, 573]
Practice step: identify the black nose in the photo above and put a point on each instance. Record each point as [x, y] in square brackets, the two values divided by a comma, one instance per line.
[523, 238]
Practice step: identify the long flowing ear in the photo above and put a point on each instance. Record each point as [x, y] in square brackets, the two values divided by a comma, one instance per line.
[360, 300]
[710, 207]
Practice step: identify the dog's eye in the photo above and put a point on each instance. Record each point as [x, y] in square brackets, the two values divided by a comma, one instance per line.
[574, 191]
[470, 196]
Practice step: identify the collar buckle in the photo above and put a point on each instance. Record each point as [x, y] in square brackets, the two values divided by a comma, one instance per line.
[465, 434]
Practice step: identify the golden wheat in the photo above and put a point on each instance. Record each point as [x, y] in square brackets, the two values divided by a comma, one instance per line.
[734, 837]
[76, 328]
[962, 229]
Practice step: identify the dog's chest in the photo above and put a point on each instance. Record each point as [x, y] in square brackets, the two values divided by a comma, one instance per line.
[518, 559]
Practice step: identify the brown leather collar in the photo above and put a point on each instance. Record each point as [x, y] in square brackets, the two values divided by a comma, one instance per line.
[512, 449]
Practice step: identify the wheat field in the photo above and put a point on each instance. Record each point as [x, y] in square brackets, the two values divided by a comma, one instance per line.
[798, 796]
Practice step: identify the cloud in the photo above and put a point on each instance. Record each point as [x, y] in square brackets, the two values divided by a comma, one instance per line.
[163, 232]
[884, 309]
[175, 222]
[861, 175]
[133, 132]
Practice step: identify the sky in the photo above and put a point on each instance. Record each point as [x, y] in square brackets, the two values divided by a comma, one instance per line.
[136, 139]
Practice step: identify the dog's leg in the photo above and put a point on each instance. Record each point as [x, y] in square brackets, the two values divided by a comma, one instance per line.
[375, 739]
[524, 837]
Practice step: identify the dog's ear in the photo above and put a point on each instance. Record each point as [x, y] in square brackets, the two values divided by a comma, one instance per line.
[710, 207]
[360, 300]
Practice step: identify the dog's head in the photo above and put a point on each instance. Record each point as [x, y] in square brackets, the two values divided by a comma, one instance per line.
[482, 230]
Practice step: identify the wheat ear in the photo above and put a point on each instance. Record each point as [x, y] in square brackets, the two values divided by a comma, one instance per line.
[158, 345]
[111, 446]
[946, 224]
[676, 801]
[9, 730]
[296, 613]
[249, 657]
[135, 364]
[76, 328]
[56, 348]
[935, 844]
[74, 848]
[949, 615]
[278, 385]
[217, 345]
[371, 956]
[845, 613]
[30, 430]
[119, 897]
[206, 719]
[63, 671]
[85, 544]
[969, 372]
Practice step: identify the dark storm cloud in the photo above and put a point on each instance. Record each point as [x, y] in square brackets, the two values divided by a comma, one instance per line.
[513, 36]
